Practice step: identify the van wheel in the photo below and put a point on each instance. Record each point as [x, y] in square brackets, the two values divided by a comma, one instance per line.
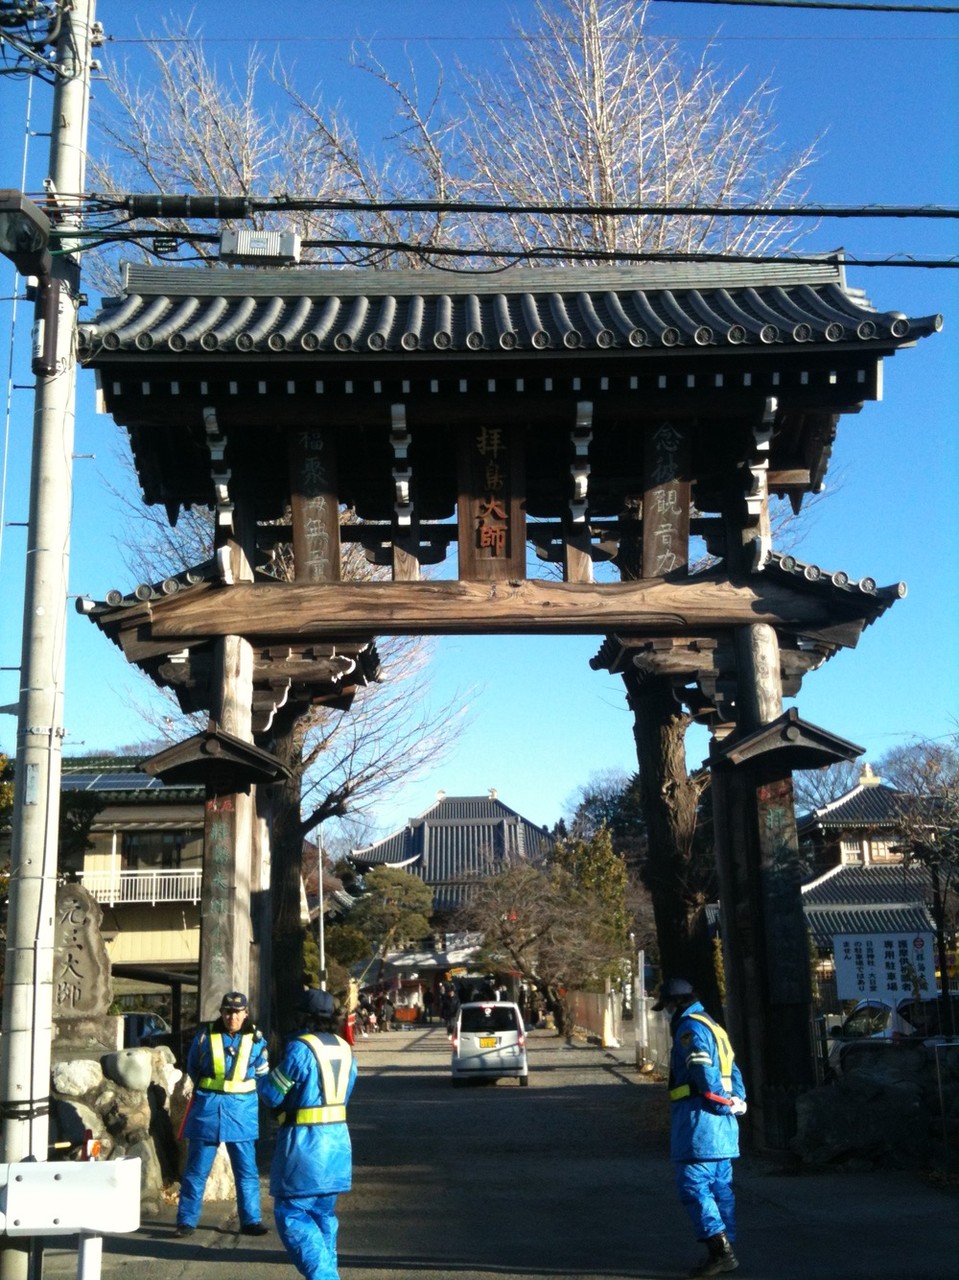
[524, 1081]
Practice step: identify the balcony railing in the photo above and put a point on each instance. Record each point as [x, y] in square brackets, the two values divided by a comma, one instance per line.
[118, 887]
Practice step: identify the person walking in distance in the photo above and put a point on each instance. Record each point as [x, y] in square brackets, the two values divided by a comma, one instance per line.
[312, 1158]
[707, 1094]
[225, 1060]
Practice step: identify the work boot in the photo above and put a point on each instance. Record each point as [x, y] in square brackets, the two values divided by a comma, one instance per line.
[719, 1258]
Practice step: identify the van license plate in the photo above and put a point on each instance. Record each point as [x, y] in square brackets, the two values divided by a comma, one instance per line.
[487, 1042]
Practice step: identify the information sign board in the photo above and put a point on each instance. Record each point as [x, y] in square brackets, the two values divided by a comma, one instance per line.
[887, 966]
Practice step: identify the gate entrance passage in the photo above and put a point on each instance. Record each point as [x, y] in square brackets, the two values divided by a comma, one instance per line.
[622, 422]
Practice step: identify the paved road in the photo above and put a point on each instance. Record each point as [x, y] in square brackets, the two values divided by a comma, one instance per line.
[566, 1178]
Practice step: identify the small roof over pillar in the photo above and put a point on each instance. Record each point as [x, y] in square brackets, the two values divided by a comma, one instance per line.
[787, 741]
[218, 760]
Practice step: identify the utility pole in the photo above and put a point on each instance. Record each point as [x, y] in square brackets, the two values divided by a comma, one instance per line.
[29, 990]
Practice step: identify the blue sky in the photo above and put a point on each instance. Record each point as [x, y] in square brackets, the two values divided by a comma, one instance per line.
[882, 91]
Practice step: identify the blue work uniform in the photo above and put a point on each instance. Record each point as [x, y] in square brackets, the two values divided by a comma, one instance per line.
[704, 1133]
[312, 1159]
[224, 1069]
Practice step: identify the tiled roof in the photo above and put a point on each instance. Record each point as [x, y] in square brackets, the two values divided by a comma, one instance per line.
[826, 921]
[866, 805]
[326, 313]
[868, 886]
[837, 582]
[455, 841]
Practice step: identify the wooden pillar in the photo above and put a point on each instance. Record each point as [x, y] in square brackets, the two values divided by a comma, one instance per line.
[226, 935]
[261, 914]
[763, 925]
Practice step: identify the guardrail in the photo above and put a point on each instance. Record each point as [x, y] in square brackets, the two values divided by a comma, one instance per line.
[119, 887]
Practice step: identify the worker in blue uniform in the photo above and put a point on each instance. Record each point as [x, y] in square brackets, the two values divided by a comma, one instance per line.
[707, 1094]
[225, 1060]
[312, 1159]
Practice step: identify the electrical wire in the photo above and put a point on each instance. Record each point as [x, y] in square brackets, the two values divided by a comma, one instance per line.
[826, 4]
[120, 215]
[355, 249]
[199, 206]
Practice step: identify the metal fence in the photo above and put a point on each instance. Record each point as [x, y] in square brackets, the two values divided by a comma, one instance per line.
[653, 1041]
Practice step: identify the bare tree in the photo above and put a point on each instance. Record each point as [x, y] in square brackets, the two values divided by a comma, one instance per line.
[815, 788]
[595, 109]
[194, 129]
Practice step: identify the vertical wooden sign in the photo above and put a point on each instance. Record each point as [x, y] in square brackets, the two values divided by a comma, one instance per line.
[217, 907]
[314, 507]
[666, 494]
[787, 936]
[491, 507]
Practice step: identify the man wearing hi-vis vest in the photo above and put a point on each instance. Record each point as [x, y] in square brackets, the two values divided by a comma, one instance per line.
[312, 1159]
[706, 1094]
[224, 1062]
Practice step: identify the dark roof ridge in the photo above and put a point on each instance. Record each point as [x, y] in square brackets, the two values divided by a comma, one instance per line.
[90, 764]
[858, 789]
[144, 279]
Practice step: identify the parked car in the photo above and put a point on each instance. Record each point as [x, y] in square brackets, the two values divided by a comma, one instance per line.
[488, 1041]
[178, 1042]
[140, 1028]
[874, 1025]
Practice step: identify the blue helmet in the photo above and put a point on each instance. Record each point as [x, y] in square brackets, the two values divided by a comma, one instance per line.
[672, 990]
[319, 1004]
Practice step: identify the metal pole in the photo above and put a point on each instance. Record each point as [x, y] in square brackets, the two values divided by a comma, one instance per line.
[90, 1257]
[322, 939]
[28, 994]
[640, 1025]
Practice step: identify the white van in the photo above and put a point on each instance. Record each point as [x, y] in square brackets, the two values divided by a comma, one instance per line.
[488, 1041]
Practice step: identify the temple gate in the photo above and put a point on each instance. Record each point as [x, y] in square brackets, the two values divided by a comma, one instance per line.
[616, 420]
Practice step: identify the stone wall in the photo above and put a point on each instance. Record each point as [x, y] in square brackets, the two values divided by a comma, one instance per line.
[894, 1105]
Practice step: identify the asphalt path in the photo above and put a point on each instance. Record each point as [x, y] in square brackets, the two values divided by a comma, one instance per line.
[566, 1178]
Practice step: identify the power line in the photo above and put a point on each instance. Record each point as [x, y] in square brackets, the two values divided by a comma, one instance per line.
[212, 206]
[825, 4]
[504, 256]
[703, 37]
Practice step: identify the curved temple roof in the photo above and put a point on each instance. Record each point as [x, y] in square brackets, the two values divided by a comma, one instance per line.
[174, 311]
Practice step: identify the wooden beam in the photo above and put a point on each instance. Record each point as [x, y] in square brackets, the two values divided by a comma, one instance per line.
[288, 611]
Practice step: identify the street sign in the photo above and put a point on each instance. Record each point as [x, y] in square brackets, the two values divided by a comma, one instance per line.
[66, 1197]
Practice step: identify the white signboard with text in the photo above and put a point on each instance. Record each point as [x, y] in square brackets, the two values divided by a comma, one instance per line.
[886, 966]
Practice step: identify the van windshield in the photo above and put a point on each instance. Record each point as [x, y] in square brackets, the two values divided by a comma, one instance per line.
[493, 1017]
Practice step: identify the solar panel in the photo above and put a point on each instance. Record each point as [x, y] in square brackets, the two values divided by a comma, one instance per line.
[93, 781]
[124, 782]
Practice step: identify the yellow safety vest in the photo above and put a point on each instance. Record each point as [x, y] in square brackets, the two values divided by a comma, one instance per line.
[333, 1063]
[237, 1083]
[726, 1057]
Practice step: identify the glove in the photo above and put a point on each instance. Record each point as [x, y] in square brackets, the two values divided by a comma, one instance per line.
[738, 1106]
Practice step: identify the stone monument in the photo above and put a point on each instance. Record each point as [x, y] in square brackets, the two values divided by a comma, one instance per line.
[82, 988]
